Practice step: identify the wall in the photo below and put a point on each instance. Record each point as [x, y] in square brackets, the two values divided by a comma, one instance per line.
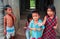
[57, 5]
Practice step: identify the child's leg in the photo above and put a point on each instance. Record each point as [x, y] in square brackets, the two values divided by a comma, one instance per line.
[27, 34]
[39, 38]
[8, 36]
[13, 35]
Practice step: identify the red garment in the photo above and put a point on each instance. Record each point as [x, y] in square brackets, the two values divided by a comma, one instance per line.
[49, 32]
[27, 24]
[12, 18]
[38, 38]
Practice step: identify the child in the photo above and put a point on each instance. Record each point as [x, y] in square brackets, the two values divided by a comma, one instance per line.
[34, 26]
[9, 20]
[50, 22]
[29, 18]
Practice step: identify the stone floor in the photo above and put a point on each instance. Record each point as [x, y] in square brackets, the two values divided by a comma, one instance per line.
[21, 32]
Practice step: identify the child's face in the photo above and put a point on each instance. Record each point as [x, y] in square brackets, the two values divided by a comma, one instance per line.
[50, 12]
[9, 10]
[35, 16]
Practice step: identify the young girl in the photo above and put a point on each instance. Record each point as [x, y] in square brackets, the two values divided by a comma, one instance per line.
[29, 18]
[50, 22]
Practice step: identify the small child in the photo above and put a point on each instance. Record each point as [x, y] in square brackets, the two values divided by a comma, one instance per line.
[9, 20]
[51, 23]
[29, 18]
[37, 30]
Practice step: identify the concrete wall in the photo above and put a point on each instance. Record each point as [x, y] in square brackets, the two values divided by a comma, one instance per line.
[57, 5]
[1, 21]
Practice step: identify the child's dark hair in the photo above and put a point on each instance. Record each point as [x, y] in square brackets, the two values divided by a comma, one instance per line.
[5, 8]
[35, 11]
[29, 17]
[52, 7]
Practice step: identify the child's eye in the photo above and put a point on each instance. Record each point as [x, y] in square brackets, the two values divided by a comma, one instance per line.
[9, 9]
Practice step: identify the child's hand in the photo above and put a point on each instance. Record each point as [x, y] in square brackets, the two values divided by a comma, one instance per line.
[39, 24]
[25, 27]
[34, 29]
[39, 29]
[5, 32]
[55, 27]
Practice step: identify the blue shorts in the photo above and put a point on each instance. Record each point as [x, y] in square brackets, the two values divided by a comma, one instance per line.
[10, 31]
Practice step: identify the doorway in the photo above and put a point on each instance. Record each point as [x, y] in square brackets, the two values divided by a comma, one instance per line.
[26, 6]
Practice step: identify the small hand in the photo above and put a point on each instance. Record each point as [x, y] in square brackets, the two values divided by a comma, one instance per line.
[38, 29]
[40, 24]
[34, 29]
[55, 27]
[25, 27]
[4, 32]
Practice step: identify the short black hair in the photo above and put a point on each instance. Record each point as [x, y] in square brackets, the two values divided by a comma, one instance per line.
[7, 6]
[35, 11]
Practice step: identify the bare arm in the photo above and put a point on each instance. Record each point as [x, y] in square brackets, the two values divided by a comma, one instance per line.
[33, 29]
[5, 23]
[55, 27]
[14, 19]
[39, 29]
[43, 23]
